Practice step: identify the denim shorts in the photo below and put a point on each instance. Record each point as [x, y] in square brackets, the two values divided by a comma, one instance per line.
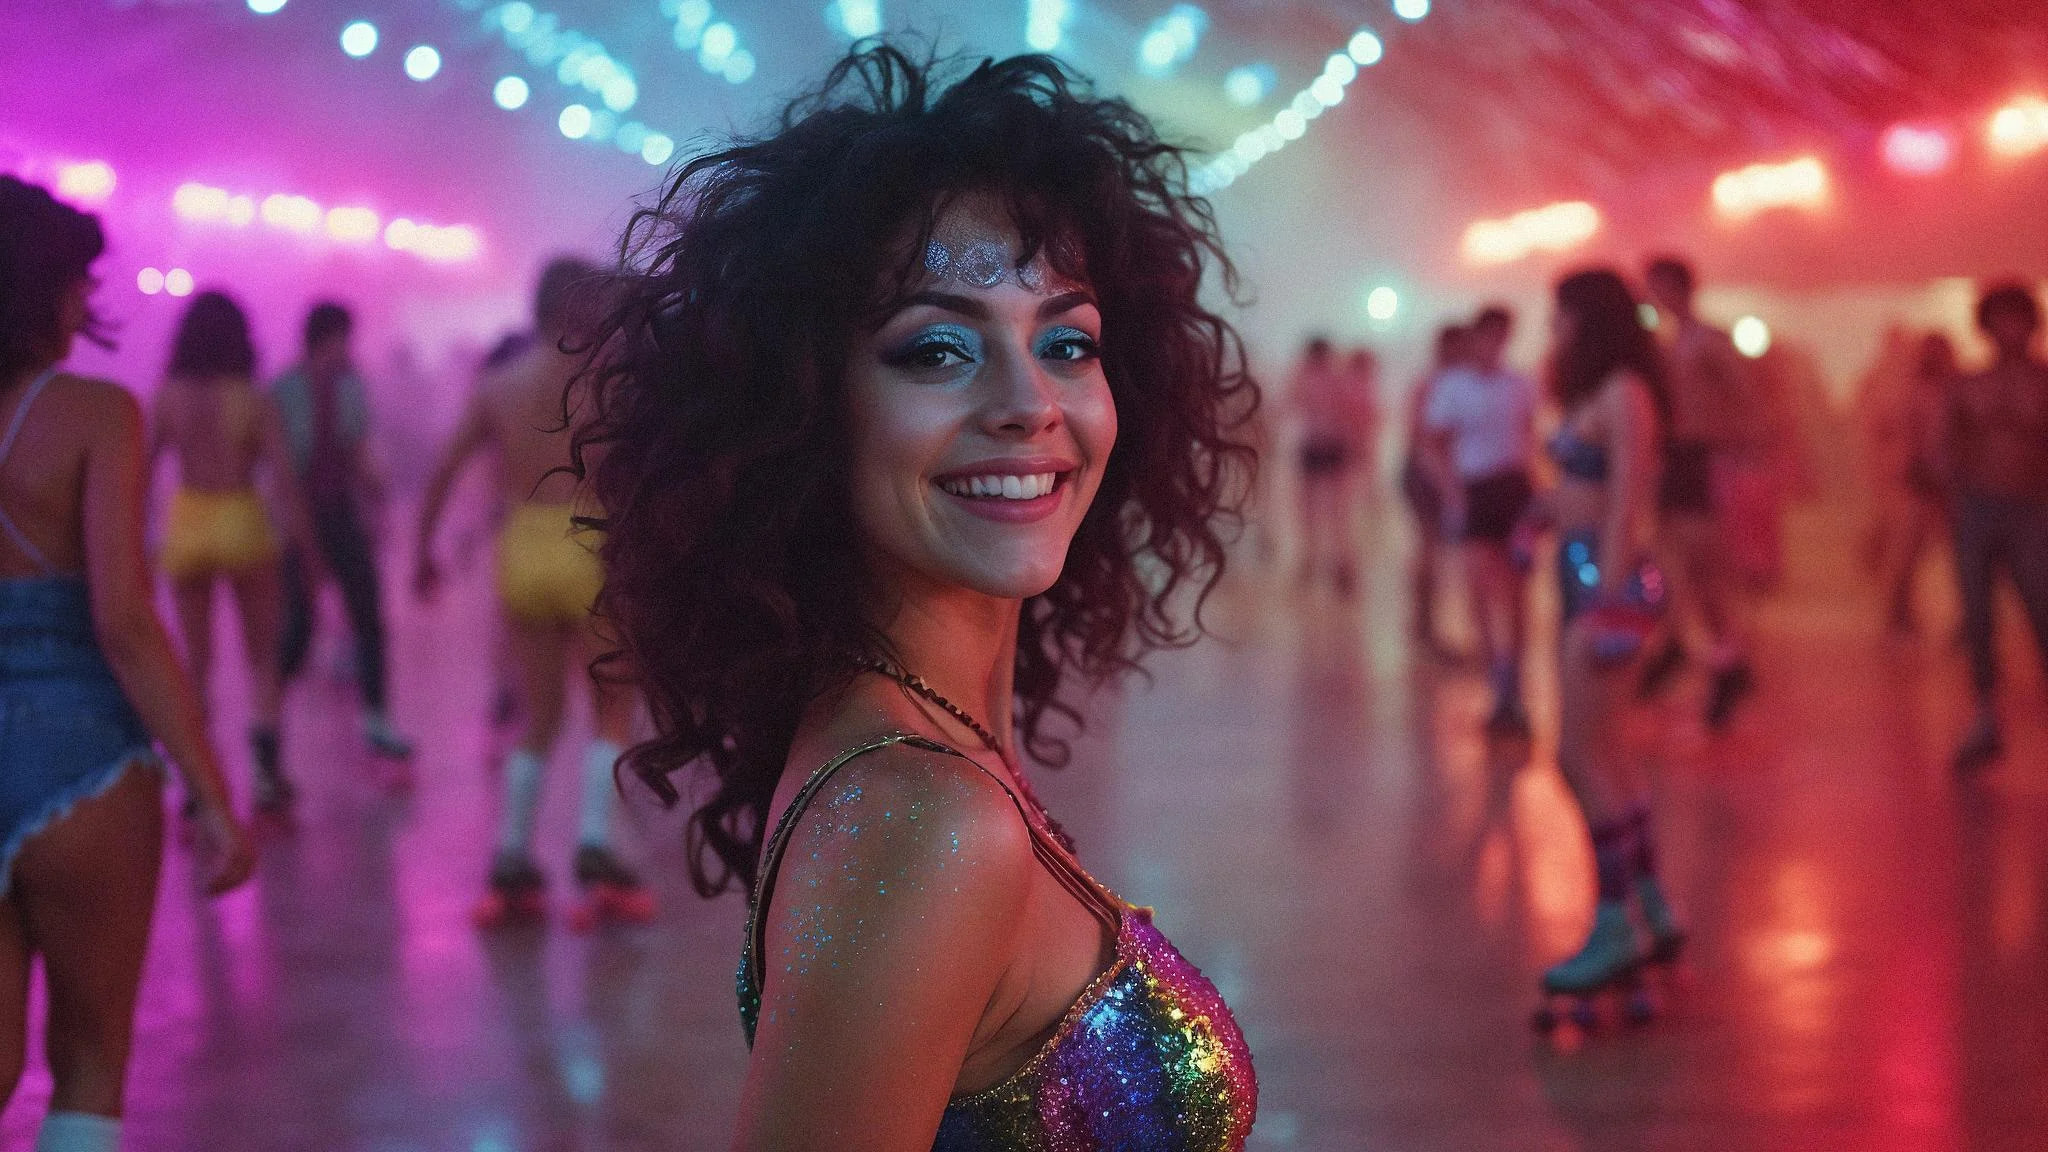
[67, 731]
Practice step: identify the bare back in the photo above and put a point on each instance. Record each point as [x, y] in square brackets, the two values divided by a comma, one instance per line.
[521, 402]
[43, 478]
[217, 429]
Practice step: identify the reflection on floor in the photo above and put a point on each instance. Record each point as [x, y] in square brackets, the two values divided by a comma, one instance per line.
[1312, 812]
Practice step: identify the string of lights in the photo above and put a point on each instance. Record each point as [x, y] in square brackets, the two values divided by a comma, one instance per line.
[1291, 122]
[578, 61]
[716, 42]
[347, 224]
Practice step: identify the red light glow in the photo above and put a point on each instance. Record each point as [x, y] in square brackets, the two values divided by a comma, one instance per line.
[1918, 149]
[2020, 128]
[1552, 228]
[1744, 192]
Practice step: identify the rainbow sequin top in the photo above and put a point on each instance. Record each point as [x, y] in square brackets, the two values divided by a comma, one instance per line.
[1148, 1059]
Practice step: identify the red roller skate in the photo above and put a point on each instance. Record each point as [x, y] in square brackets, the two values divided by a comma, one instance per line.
[518, 892]
[611, 891]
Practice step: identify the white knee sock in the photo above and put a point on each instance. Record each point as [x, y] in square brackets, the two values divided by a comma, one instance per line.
[600, 792]
[79, 1132]
[522, 802]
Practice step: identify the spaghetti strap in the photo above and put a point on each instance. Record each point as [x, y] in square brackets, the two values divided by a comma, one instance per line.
[7, 524]
[1099, 900]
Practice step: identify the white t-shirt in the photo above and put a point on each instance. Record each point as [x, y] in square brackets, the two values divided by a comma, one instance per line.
[1490, 417]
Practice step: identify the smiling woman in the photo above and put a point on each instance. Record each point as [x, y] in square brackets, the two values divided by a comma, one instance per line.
[894, 401]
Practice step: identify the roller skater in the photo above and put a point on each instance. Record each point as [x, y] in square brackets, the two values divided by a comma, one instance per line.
[325, 412]
[548, 579]
[1609, 381]
[1994, 427]
[224, 433]
[1480, 424]
[1711, 429]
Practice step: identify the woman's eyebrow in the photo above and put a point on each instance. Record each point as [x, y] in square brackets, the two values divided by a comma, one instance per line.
[1064, 302]
[966, 306]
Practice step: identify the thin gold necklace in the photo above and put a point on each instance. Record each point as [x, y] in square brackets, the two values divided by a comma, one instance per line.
[916, 684]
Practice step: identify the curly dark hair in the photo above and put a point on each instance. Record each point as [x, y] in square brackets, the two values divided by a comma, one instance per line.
[1607, 337]
[46, 247]
[714, 432]
[212, 342]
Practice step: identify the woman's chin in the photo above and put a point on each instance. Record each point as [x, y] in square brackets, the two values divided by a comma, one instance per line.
[1013, 581]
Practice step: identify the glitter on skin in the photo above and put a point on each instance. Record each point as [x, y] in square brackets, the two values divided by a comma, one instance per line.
[1149, 1056]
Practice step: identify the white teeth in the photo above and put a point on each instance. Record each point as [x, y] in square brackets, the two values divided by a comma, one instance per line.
[1011, 487]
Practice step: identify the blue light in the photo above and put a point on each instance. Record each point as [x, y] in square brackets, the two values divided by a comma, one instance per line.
[1172, 39]
[516, 17]
[265, 7]
[359, 39]
[511, 92]
[422, 63]
[855, 18]
[574, 121]
[1248, 84]
[719, 41]
[1411, 10]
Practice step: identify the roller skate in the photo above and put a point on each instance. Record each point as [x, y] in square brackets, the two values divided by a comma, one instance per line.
[1610, 962]
[383, 739]
[611, 891]
[1508, 721]
[1667, 937]
[274, 792]
[1981, 747]
[518, 892]
[1730, 686]
[1661, 669]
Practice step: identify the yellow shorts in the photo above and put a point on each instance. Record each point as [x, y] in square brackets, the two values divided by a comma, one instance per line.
[216, 533]
[548, 572]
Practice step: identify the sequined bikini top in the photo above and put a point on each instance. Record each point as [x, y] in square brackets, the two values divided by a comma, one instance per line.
[1148, 1056]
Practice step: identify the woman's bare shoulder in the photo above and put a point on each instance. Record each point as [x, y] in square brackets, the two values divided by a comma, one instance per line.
[910, 816]
[93, 398]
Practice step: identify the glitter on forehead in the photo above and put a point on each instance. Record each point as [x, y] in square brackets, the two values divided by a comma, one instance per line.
[985, 261]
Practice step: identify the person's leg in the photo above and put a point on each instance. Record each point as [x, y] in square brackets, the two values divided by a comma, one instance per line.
[87, 886]
[296, 640]
[1423, 581]
[540, 650]
[260, 602]
[612, 706]
[14, 968]
[1913, 524]
[1710, 584]
[2030, 572]
[193, 599]
[1592, 759]
[259, 598]
[1346, 504]
[1496, 587]
[351, 553]
[1314, 522]
[615, 889]
[1977, 553]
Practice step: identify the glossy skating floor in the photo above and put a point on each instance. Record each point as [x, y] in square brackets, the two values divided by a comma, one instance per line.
[1321, 829]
